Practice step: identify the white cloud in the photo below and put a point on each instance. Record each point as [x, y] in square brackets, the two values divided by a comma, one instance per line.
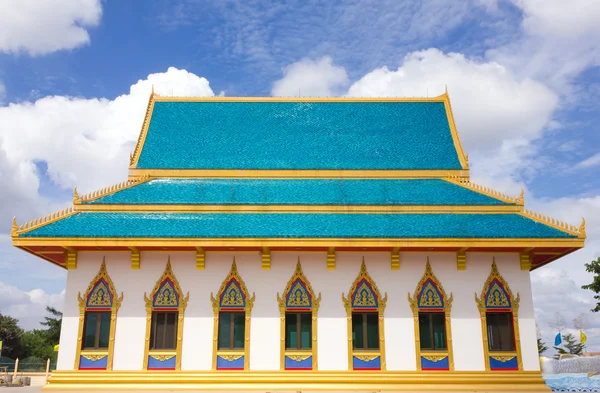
[84, 142]
[28, 307]
[590, 161]
[41, 27]
[490, 104]
[309, 78]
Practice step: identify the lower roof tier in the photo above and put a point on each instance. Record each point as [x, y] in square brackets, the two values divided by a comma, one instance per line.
[300, 226]
[199, 191]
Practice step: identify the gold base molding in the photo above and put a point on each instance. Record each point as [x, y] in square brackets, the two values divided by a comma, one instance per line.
[457, 381]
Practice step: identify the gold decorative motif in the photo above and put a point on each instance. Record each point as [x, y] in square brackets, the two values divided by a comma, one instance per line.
[266, 258]
[200, 258]
[430, 293]
[521, 198]
[99, 296]
[525, 260]
[71, 258]
[366, 358]
[135, 258]
[331, 258]
[113, 189]
[230, 358]
[466, 183]
[94, 358]
[298, 358]
[554, 223]
[364, 286]
[395, 259]
[364, 277]
[76, 200]
[247, 304]
[300, 297]
[364, 296]
[166, 300]
[502, 297]
[162, 358]
[503, 359]
[434, 358]
[496, 297]
[461, 259]
[39, 222]
[15, 227]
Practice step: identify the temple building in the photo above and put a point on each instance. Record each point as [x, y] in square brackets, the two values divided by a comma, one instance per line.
[298, 244]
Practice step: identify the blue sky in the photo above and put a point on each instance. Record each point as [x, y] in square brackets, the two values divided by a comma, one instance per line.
[523, 77]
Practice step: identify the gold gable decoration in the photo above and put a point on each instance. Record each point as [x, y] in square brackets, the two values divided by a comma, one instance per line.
[94, 292]
[500, 300]
[366, 300]
[237, 297]
[300, 295]
[423, 286]
[161, 290]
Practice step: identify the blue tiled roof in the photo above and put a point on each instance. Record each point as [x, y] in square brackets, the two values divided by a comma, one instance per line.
[298, 192]
[280, 225]
[299, 135]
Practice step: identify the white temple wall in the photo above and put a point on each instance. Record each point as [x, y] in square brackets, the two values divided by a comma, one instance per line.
[265, 323]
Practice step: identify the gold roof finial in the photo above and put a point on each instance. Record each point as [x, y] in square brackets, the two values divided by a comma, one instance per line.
[15, 227]
[76, 200]
[582, 233]
[446, 88]
[152, 89]
[521, 198]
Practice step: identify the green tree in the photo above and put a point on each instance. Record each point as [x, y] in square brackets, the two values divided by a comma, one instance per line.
[10, 335]
[570, 346]
[541, 346]
[594, 267]
[34, 343]
[53, 324]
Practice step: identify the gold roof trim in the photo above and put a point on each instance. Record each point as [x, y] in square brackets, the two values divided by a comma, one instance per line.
[554, 223]
[462, 156]
[134, 157]
[39, 222]
[466, 183]
[78, 199]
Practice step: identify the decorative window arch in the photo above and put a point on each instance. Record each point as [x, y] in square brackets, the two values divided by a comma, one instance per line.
[231, 339]
[164, 323]
[431, 310]
[364, 309]
[499, 311]
[298, 302]
[97, 310]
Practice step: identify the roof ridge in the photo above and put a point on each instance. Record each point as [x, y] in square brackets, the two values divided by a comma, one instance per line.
[135, 155]
[554, 223]
[467, 183]
[40, 222]
[78, 199]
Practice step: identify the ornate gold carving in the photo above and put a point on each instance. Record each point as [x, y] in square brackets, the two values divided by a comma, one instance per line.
[562, 226]
[466, 183]
[266, 258]
[166, 300]
[501, 298]
[99, 296]
[38, 222]
[395, 260]
[113, 189]
[298, 358]
[521, 198]
[366, 358]
[331, 258]
[503, 359]
[427, 285]
[76, 200]
[368, 293]
[434, 358]
[301, 297]
[162, 358]
[226, 292]
[230, 358]
[94, 358]
[582, 234]
[15, 227]
[363, 276]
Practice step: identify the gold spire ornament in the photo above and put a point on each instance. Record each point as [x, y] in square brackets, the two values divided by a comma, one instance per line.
[15, 227]
[76, 200]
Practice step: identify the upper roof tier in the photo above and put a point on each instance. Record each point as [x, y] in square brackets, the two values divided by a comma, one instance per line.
[220, 133]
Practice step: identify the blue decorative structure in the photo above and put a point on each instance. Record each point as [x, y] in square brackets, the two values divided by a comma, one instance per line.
[366, 362]
[435, 363]
[93, 362]
[230, 362]
[162, 362]
[298, 362]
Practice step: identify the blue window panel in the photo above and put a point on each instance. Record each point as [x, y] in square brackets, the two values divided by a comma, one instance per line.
[422, 192]
[278, 225]
[223, 364]
[374, 364]
[305, 364]
[431, 365]
[299, 135]
[508, 365]
[99, 364]
[154, 363]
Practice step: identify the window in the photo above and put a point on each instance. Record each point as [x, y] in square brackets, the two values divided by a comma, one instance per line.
[432, 330]
[232, 329]
[500, 329]
[97, 330]
[365, 330]
[298, 330]
[163, 334]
